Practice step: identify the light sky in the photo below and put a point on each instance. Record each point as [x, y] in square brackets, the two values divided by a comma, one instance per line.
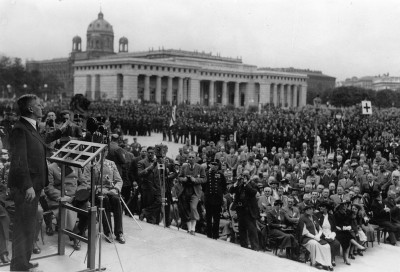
[341, 38]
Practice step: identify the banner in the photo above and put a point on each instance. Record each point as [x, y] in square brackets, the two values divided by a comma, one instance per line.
[173, 116]
[366, 107]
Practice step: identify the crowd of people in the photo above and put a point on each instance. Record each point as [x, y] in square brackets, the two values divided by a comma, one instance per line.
[246, 177]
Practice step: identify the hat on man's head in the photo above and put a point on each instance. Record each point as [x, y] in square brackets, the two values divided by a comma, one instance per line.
[375, 194]
[344, 201]
[274, 181]
[114, 136]
[326, 204]
[265, 159]
[354, 164]
[284, 180]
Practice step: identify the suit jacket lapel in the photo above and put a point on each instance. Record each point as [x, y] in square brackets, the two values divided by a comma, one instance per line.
[32, 130]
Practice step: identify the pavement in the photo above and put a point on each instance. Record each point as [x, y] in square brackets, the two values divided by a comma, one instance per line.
[155, 248]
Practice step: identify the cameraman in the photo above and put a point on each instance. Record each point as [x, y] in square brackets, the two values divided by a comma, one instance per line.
[191, 175]
[49, 125]
[73, 132]
[245, 204]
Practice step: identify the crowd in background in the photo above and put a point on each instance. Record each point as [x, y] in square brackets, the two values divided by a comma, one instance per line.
[254, 178]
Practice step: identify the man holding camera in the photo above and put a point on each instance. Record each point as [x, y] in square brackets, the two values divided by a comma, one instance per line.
[73, 131]
[192, 175]
[245, 204]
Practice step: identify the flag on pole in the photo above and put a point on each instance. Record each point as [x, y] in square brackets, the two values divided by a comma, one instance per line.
[173, 116]
[366, 107]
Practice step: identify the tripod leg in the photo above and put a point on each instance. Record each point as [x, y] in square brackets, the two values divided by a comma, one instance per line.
[126, 206]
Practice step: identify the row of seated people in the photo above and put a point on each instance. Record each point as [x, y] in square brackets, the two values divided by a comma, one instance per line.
[318, 222]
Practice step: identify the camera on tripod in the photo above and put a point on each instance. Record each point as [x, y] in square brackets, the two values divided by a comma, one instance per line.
[97, 126]
[159, 153]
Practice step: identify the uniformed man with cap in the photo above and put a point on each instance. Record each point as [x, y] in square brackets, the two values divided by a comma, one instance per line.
[214, 190]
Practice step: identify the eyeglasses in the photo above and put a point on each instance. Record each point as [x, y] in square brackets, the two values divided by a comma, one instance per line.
[190, 157]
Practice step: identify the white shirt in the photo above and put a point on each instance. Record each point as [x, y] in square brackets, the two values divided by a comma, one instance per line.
[30, 121]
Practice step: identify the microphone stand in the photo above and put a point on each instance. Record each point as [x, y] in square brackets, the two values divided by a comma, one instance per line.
[161, 175]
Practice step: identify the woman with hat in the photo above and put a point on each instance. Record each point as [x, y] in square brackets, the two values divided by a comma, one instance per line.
[328, 225]
[345, 234]
[310, 234]
[276, 223]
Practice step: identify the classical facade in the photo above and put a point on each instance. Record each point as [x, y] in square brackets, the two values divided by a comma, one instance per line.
[176, 76]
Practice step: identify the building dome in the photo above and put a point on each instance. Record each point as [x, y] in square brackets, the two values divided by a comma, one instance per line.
[123, 40]
[100, 36]
[100, 25]
[76, 39]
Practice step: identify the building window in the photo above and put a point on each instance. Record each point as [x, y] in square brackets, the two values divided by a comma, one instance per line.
[139, 66]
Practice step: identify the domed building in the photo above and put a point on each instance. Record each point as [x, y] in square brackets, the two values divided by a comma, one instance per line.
[168, 76]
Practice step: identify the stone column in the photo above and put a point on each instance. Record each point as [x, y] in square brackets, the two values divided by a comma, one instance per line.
[180, 90]
[291, 98]
[169, 90]
[237, 95]
[130, 89]
[275, 95]
[146, 88]
[224, 93]
[303, 96]
[211, 93]
[250, 94]
[295, 96]
[158, 89]
[194, 91]
[265, 93]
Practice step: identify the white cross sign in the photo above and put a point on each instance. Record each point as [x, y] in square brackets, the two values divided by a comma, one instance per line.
[366, 107]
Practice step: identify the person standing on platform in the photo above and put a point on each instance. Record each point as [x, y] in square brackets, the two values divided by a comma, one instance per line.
[192, 175]
[151, 190]
[246, 206]
[214, 190]
[28, 177]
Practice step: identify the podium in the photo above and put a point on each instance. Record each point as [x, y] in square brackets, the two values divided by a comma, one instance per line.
[78, 154]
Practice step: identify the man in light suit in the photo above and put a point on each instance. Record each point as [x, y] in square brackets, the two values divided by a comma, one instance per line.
[28, 176]
[192, 175]
[346, 182]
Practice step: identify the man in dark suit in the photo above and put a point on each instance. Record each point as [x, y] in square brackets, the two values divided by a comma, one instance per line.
[151, 190]
[246, 206]
[116, 153]
[28, 176]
